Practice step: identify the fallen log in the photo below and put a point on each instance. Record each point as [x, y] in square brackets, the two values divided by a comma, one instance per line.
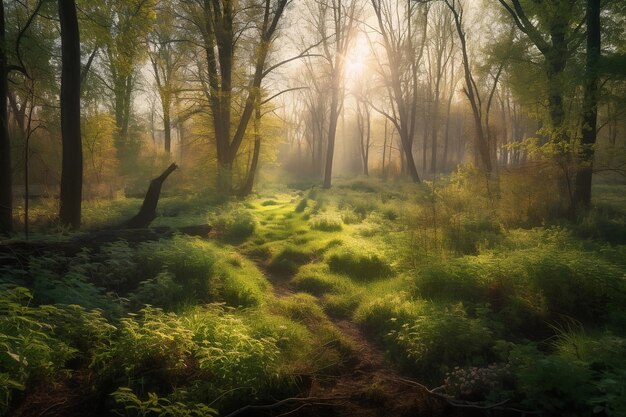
[17, 252]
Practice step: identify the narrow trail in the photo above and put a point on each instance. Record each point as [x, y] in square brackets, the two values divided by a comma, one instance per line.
[366, 384]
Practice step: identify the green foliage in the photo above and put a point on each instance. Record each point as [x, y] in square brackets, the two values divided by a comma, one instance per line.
[326, 223]
[27, 350]
[552, 384]
[316, 279]
[302, 205]
[359, 266]
[155, 406]
[190, 264]
[235, 224]
[37, 342]
[453, 279]
[289, 259]
[384, 314]
[161, 290]
[441, 337]
[145, 340]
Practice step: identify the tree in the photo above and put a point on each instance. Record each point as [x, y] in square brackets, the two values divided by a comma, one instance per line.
[482, 153]
[440, 50]
[72, 165]
[167, 60]
[6, 183]
[558, 18]
[404, 51]
[335, 51]
[220, 33]
[127, 23]
[582, 194]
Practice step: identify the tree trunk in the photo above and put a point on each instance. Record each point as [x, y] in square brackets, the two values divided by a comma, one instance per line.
[332, 131]
[167, 128]
[582, 196]
[147, 213]
[246, 189]
[6, 191]
[72, 163]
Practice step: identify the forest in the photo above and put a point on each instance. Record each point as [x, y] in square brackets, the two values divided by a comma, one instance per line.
[312, 208]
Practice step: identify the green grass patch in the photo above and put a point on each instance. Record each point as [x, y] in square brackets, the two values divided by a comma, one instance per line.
[359, 266]
[288, 259]
[326, 223]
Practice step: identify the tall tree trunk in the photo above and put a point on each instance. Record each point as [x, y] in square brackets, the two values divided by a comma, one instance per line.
[6, 190]
[582, 196]
[332, 131]
[246, 189]
[384, 173]
[167, 128]
[72, 164]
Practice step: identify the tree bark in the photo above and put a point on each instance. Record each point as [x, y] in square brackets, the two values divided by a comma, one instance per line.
[6, 191]
[254, 164]
[72, 163]
[582, 196]
[147, 213]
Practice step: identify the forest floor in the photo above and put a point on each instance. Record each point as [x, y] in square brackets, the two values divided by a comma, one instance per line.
[367, 384]
[369, 299]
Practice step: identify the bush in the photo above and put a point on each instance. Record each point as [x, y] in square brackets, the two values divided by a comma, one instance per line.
[441, 337]
[36, 343]
[151, 343]
[191, 263]
[456, 279]
[234, 224]
[576, 283]
[359, 266]
[155, 406]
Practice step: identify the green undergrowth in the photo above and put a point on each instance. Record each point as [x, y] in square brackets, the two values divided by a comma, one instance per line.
[491, 299]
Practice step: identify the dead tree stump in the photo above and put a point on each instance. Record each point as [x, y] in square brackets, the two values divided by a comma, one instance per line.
[147, 213]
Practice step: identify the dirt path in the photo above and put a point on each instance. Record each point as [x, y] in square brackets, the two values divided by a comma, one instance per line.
[367, 385]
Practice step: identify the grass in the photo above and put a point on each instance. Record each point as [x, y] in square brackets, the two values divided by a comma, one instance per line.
[454, 290]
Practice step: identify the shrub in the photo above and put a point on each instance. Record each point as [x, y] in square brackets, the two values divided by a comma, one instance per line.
[160, 291]
[155, 406]
[441, 336]
[191, 263]
[152, 342]
[453, 279]
[230, 356]
[577, 283]
[551, 384]
[359, 266]
[29, 350]
[234, 224]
